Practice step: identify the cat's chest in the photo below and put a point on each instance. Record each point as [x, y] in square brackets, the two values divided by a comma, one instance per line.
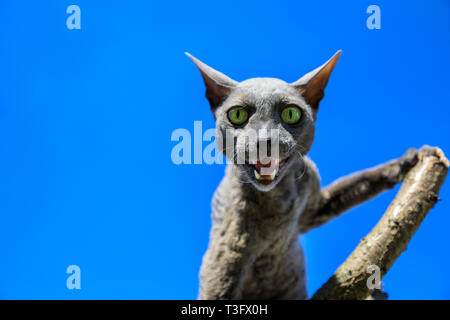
[260, 215]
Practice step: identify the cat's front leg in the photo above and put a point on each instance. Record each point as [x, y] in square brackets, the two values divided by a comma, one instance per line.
[221, 276]
[357, 188]
[225, 265]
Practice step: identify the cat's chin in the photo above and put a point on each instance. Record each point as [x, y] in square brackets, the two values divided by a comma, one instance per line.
[264, 187]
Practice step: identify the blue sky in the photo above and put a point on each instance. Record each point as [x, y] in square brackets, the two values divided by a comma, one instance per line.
[86, 117]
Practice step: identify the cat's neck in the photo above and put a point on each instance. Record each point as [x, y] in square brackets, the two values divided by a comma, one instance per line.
[273, 212]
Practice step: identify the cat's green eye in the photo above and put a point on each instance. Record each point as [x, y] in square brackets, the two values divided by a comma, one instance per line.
[238, 115]
[291, 115]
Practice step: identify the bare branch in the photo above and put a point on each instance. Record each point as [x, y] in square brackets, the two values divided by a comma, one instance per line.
[389, 238]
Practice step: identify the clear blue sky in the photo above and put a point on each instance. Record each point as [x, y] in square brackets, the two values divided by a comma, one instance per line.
[86, 117]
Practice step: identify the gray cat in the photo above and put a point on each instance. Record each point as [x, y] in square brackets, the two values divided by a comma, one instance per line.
[254, 252]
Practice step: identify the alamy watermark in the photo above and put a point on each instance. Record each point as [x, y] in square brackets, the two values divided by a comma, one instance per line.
[374, 280]
[74, 20]
[250, 146]
[74, 280]
[374, 20]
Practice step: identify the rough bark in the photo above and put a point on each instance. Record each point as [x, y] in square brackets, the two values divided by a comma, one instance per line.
[390, 237]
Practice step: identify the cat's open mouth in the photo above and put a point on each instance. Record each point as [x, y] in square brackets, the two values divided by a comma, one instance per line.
[267, 170]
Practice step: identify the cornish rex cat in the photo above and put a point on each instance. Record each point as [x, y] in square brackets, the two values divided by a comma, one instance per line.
[254, 252]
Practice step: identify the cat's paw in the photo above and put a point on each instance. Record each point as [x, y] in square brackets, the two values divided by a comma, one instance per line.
[427, 150]
[409, 159]
[412, 156]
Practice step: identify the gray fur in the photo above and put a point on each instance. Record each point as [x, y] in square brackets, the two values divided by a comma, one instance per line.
[254, 252]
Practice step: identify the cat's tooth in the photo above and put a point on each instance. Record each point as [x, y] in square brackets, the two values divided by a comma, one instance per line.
[257, 175]
[272, 176]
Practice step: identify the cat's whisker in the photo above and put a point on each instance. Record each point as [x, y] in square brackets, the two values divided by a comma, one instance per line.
[240, 174]
[301, 157]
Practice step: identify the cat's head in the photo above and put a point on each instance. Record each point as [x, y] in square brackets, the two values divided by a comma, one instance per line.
[265, 113]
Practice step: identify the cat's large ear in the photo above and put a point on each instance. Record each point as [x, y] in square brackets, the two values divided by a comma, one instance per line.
[218, 85]
[312, 85]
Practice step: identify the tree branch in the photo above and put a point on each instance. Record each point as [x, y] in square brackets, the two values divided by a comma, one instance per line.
[389, 238]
